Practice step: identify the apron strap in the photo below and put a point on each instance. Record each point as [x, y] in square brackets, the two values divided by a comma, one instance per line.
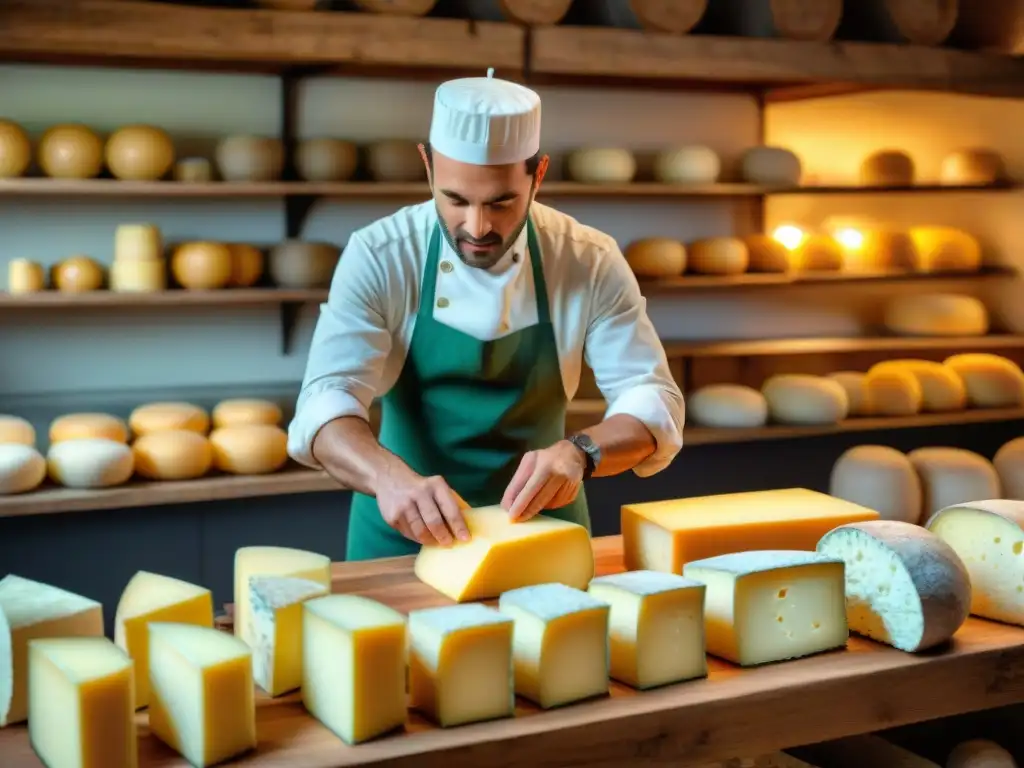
[539, 283]
[429, 288]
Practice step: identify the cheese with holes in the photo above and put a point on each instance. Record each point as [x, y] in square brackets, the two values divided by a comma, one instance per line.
[664, 535]
[936, 314]
[560, 643]
[202, 702]
[22, 468]
[656, 627]
[656, 257]
[887, 168]
[274, 631]
[90, 463]
[942, 389]
[771, 605]
[863, 751]
[354, 667]
[30, 610]
[160, 417]
[138, 242]
[979, 753]
[893, 392]
[972, 167]
[1009, 464]
[718, 256]
[945, 249]
[14, 429]
[249, 449]
[151, 597]
[992, 381]
[771, 166]
[880, 478]
[80, 426]
[989, 538]
[504, 555]
[691, 164]
[727, 406]
[174, 454]
[80, 704]
[273, 561]
[953, 475]
[905, 586]
[802, 399]
[461, 666]
[766, 254]
[243, 411]
[857, 395]
[601, 165]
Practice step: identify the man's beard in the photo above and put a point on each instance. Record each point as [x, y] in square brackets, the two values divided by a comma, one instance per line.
[486, 259]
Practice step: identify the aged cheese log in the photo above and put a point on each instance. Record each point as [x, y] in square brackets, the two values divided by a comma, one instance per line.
[793, 19]
[919, 22]
[990, 26]
[534, 13]
[675, 17]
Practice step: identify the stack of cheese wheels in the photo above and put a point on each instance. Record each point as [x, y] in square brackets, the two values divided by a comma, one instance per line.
[22, 467]
[247, 438]
[656, 257]
[1009, 464]
[202, 266]
[953, 476]
[25, 276]
[728, 406]
[855, 384]
[991, 381]
[139, 264]
[170, 441]
[880, 478]
[887, 168]
[937, 314]
[802, 399]
[89, 450]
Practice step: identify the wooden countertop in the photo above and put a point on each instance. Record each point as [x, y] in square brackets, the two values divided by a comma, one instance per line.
[732, 713]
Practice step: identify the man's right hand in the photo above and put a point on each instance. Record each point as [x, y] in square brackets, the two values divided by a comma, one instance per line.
[424, 509]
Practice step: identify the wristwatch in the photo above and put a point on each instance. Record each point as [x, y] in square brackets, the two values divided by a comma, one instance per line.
[591, 452]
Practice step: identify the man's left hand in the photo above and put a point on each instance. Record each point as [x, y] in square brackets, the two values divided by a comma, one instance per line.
[546, 479]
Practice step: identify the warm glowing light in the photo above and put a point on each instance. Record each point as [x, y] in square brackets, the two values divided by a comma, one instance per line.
[790, 236]
[851, 239]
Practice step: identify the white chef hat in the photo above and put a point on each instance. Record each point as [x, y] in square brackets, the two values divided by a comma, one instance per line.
[485, 121]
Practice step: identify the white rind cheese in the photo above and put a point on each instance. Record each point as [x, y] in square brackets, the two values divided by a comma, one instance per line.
[953, 475]
[880, 478]
[797, 398]
[727, 406]
[22, 468]
[1009, 464]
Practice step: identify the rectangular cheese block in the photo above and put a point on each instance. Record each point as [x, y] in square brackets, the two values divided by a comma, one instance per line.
[766, 606]
[656, 628]
[153, 597]
[201, 696]
[504, 555]
[274, 630]
[460, 664]
[560, 643]
[81, 703]
[354, 662]
[30, 610]
[664, 535]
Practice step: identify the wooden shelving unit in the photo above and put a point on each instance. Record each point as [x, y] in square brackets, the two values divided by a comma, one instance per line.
[811, 346]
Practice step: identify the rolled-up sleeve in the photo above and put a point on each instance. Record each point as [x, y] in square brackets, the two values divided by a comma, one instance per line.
[348, 352]
[629, 362]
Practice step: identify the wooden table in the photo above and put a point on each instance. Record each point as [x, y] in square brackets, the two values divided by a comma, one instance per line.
[732, 713]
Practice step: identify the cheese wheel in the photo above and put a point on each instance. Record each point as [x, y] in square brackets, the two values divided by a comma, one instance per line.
[694, 164]
[201, 266]
[884, 249]
[980, 753]
[70, 151]
[601, 165]
[880, 478]
[727, 406]
[138, 242]
[326, 159]
[14, 429]
[78, 274]
[173, 454]
[139, 153]
[818, 253]
[992, 381]
[936, 314]
[942, 389]
[193, 170]
[164, 416]
[79, 426]
[796, 398]
[771, 166]
[766, 254]
[15, 150]
[855, 384]
[246, 265]
[395, 160]
[138, 276]
[944, 249]
[250, 158]
[90, 463]
[1009, 464]
[887, 168]
[718, 256]
[242, 411]
[893, 392]
[250, 449]
[953, 476]
[22, 468]
[24, 276]
[972, 167]
[656, 257]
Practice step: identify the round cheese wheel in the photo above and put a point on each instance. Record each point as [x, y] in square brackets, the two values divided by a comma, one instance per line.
[138, 276]
[728, 406]
[139, 153]
[395, 160]
[887, 168]
[992, 381]
[942, 389]
[952, 476]
[78, 274]
[887, 249]
[326, 159]
[138, 242]
[693, 164]
[201, 266]
[82, 426]
[14, 429]
[242, 411]
[972, 167]
[766, 254]
[718, 256]
[1009, 464]
[15, 150]
[771, 166]
[980, 753]
[24, 276]
[71, 152]
[246, 265]
[174, 454]
[944, 249]
[250, 158]
[601, 165]
[22, 468]
[165, 416]
[90, 463]
[193, 170]
[893, 392]
[797, 398]
[936, 314]
[855, 384]
[655, 257]
[880, 478]
[818, 253]
[250, 449]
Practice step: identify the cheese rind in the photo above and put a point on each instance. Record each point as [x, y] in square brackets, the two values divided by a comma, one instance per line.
[1009, 464]
[22, 468]
[273, 561]
[942, 389]
[953, 475]
[992, 381]
[90, 463]
[771, 605]
[880, 478]
[796, 398]
[656, 627]
[728, 406]
[905, 586]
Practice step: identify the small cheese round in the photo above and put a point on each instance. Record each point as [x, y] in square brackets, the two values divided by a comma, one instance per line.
[656, 257]
[972, 167]
[251, 449]
[79, 426]
[953, 476]
[942, 389]
[1009, 464]
[164, 416]
[818, 253]
[880, 478]
[945, 249]
[718, 256]
[766, 254]
[139, 153]
[247, 264]
[202, 266]
[90, 463]
[193, 170]
[905, 586]
[25, 276]
[771, 166]
[326, 159]
[14, 429]
[797, 398]
[138, 242]
[601, 165]
[992, 381]
[855, 384]
[174, 454]
[70, 151]
[887, 168]
[242, 411]
[728, 406]
[894, 392]
[77, 274]
[22, 468]
[693, 164]
[15, 150]
[979, 753]
[937, 314]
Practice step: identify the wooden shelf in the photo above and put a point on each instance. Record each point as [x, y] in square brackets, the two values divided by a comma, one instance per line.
[177, 297]
[813, 346]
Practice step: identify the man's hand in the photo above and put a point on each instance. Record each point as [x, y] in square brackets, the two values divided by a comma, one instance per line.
[423, 509]
[546, 479]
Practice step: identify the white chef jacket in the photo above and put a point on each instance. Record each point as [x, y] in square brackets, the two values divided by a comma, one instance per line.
[598, 313]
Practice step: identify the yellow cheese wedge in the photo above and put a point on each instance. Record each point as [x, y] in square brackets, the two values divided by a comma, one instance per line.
[560, 644]
[460, 664]
[273, 561]
[274, 631]
[30, 610]
[503, 555]
[80, 704]
[353, 678]
[202, 702]
[152, 597]
[656, 628]
[663, 535]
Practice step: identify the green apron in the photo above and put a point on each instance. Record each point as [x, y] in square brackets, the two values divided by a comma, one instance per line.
[468, 410]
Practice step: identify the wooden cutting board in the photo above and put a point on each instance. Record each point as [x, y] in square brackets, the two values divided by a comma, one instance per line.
[733, 713]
